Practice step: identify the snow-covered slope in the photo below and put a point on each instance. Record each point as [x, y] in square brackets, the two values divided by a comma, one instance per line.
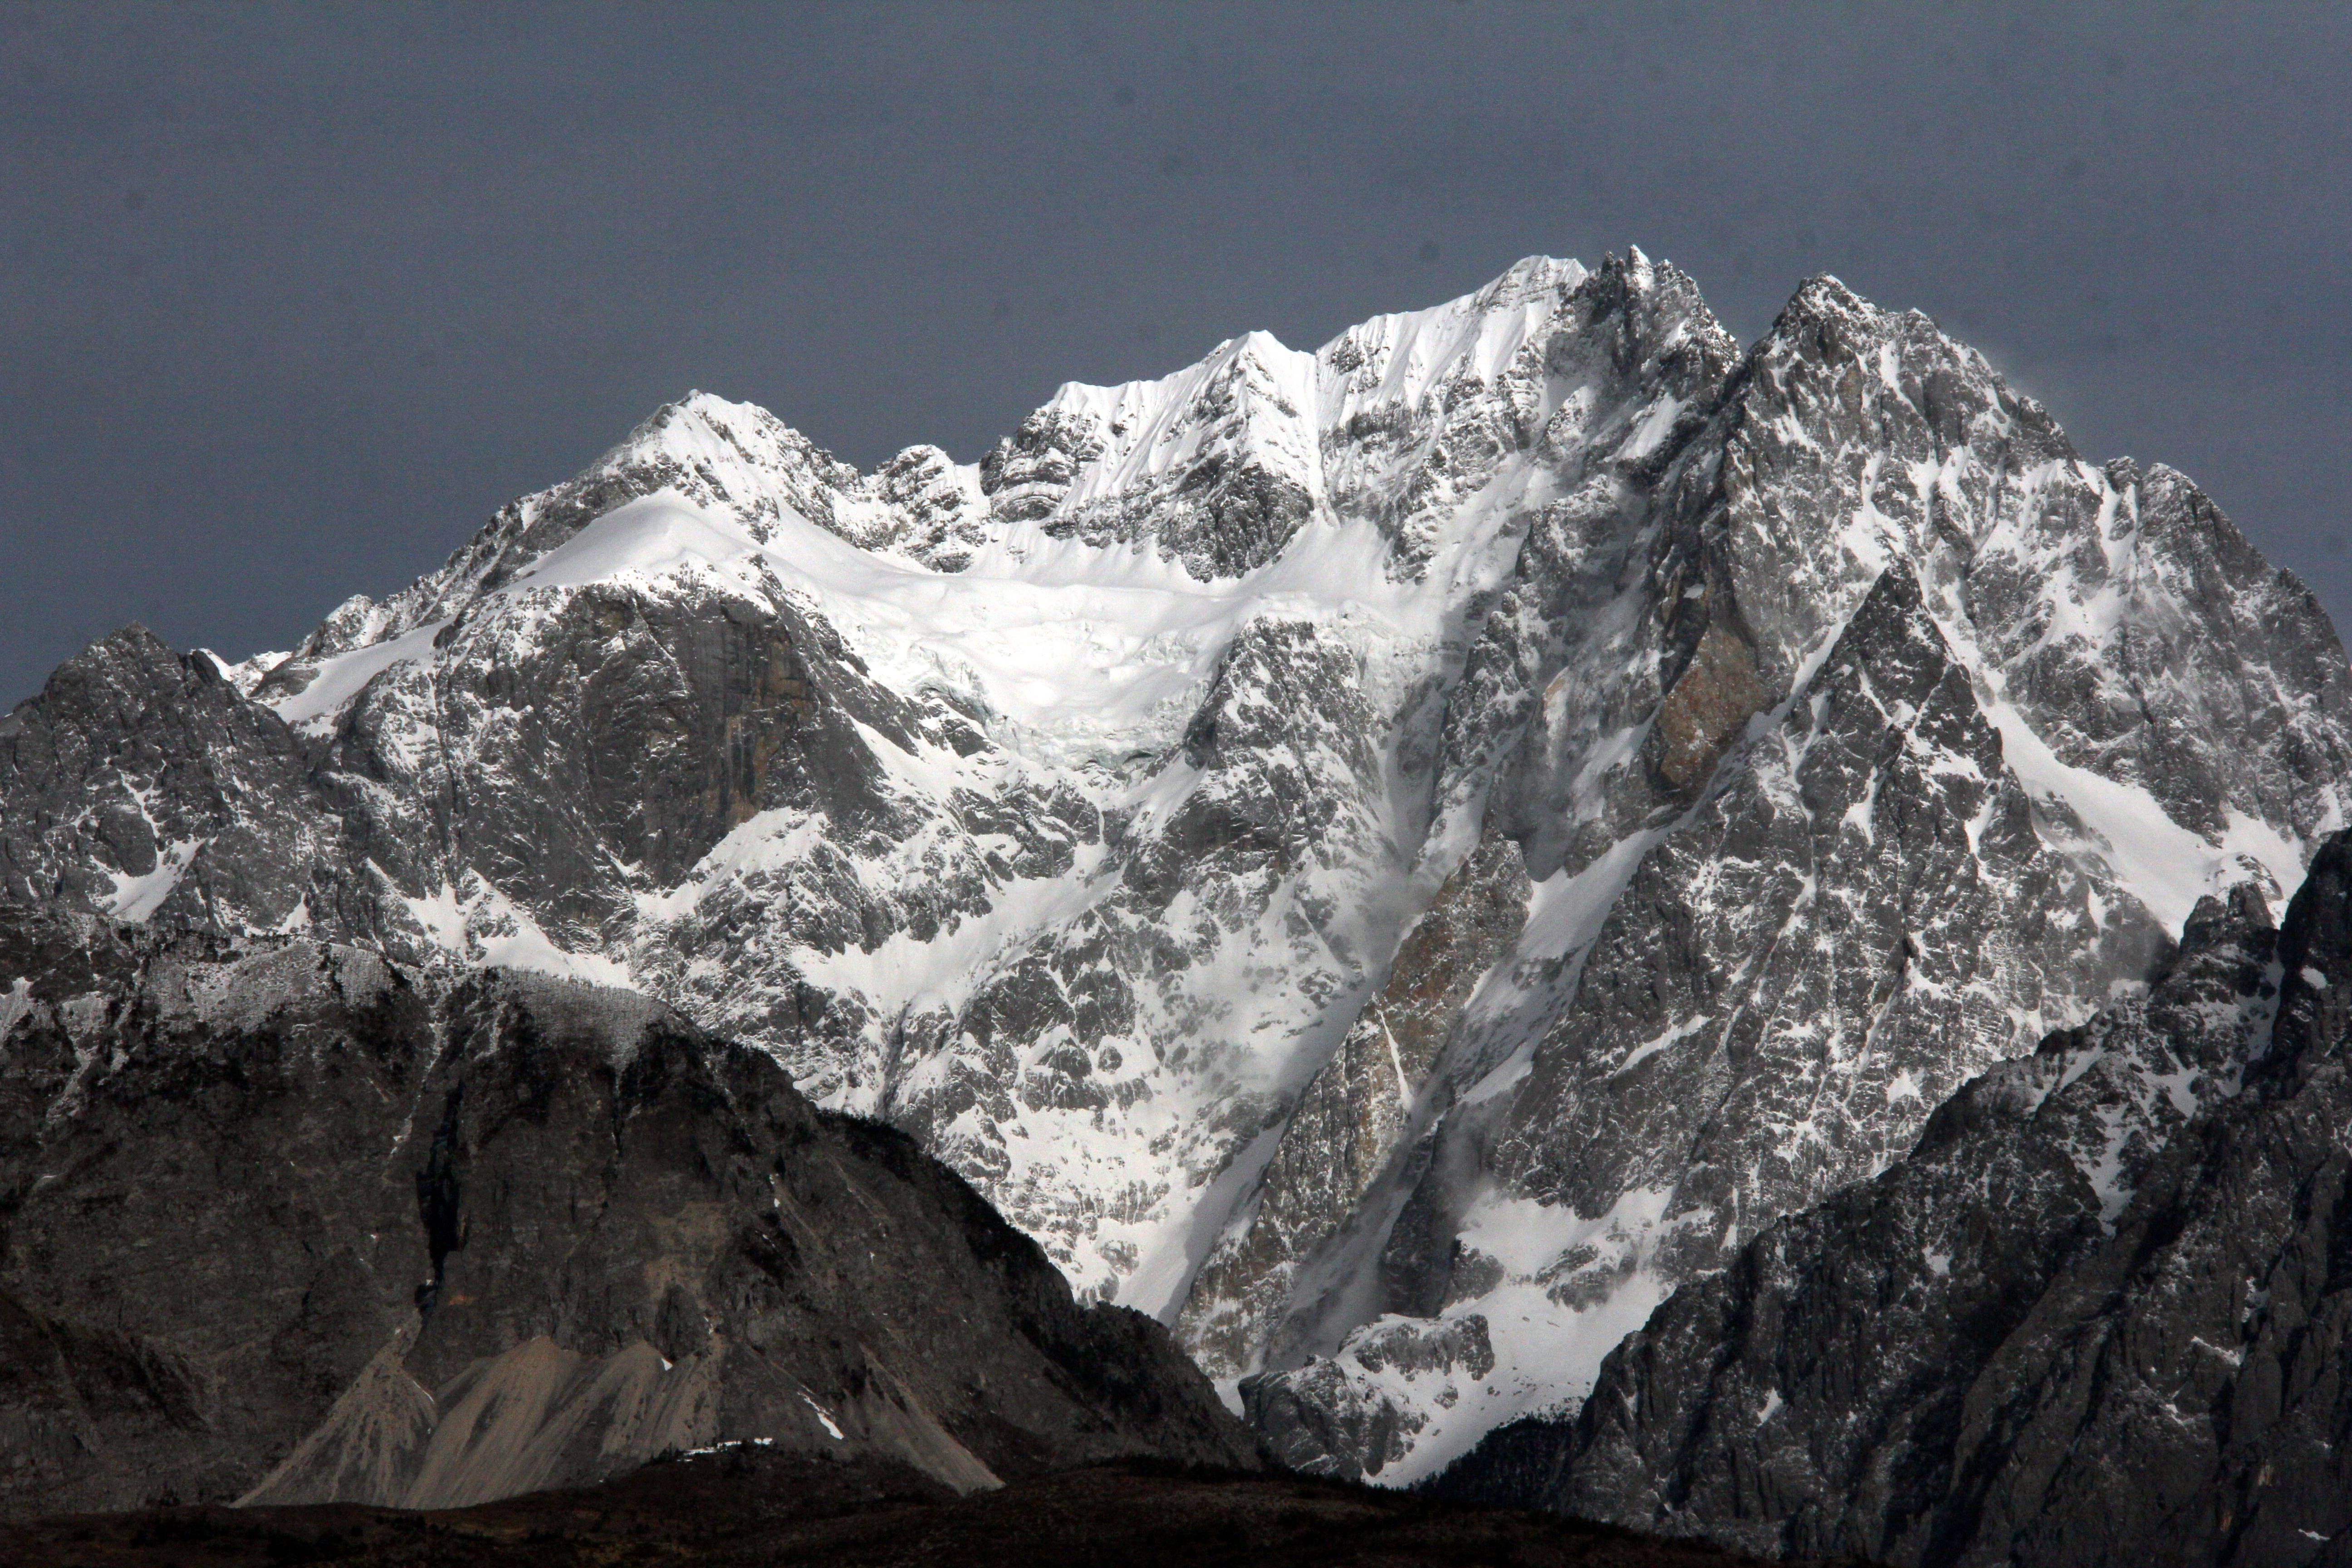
[1387, 857]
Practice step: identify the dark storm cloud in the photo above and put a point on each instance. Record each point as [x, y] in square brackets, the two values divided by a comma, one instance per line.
[290, 297]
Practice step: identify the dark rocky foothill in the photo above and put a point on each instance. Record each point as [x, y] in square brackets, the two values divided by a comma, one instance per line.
[285, 1221]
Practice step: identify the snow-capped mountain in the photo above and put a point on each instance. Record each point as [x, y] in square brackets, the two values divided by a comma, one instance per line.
[1390, 858]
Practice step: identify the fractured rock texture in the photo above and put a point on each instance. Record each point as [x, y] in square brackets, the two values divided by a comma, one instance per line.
[2090, 1319]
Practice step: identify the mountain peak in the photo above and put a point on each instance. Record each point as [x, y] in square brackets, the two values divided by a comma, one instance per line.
[1392, 854]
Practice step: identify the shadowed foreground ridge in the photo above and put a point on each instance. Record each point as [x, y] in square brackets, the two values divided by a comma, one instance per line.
[285, 1223]
[755, 1507]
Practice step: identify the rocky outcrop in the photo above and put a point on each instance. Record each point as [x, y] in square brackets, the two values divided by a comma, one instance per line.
[142, 784]
[282, 1220]
[2099, 1318]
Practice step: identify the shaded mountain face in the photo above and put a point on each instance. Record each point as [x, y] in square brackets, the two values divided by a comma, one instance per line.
[282, 1220]
[1389, 859]
[2097, 1316]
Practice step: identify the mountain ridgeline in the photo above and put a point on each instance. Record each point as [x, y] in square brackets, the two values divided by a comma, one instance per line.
[1394, 861]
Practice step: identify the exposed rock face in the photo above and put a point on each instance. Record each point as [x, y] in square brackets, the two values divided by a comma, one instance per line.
[145, 785]
[288, 1223]
[1882, 615]
[1880, 808]
[1354, 1112]
[1473, 822]
[2091, 1319]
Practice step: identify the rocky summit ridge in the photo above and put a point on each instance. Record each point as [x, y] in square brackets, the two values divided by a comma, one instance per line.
[1389, 860]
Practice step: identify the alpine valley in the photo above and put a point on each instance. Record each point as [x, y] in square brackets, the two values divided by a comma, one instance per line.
[1393, 860]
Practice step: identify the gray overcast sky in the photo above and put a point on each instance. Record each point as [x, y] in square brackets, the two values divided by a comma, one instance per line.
[291, 297]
